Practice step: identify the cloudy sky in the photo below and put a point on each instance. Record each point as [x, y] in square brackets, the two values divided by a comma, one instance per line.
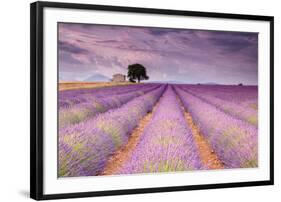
[182, 55]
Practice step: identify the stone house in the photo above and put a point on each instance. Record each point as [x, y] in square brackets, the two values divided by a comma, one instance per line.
[118, 78]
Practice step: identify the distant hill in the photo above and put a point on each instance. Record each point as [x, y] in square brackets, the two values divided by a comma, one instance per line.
[98, 78]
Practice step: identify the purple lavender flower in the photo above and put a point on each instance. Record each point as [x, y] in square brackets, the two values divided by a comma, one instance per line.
[240, 102]
[166, 144]
[85, 147]
[234, 141]
[93, 105]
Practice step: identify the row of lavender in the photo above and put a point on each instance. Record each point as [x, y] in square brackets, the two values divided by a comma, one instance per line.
[231, 93]
[166, 144]
[234, 141]
[84, 148]
[94, 104]
[69, 98]
[240, 102]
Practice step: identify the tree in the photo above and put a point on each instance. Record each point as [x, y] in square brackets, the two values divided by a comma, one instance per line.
[137, 72]
[131, 80]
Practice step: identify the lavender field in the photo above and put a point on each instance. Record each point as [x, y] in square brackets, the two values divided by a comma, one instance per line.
[155, 127]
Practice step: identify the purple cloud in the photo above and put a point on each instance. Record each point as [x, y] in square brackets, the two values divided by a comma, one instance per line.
[71, 48]
[191, 56]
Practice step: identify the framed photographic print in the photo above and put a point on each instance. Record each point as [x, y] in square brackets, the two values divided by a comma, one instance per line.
[136, 100]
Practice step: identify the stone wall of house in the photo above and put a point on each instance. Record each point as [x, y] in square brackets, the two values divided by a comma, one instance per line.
[118, 78]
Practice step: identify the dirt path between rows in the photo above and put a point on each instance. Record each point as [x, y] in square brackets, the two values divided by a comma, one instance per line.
[207, 155]
[124, 153]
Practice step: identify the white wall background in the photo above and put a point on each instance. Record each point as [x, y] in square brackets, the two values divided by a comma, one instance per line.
[14, 100]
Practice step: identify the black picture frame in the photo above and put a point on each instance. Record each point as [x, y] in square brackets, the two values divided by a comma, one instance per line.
[36, 99]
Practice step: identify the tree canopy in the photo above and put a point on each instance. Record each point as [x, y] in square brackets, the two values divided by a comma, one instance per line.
[137, 72]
